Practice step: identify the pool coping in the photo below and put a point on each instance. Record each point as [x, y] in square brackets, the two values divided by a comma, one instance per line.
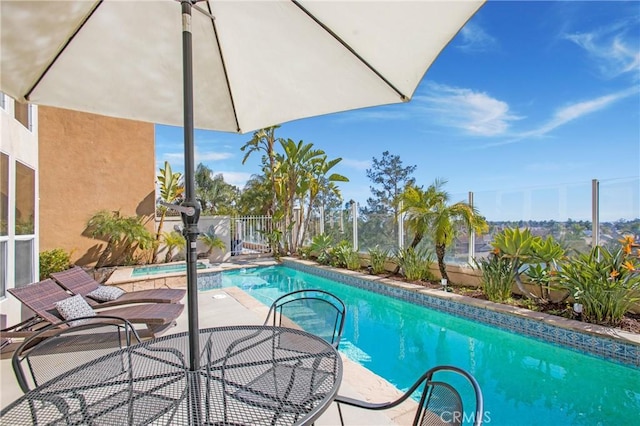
[611, 344]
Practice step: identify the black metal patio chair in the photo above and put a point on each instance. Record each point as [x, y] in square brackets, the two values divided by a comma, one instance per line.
[440, 403]
[315, 311]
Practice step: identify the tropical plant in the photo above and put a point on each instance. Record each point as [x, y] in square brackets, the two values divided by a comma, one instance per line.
[378, 258]
[498, 277]
[531, 256]
[124, 235]
[274, 236]
[344, 256]
[415, 264]
[606, 283]
[265, 140]
[171, 189]
[173, 240]
[55, 260]
[316, 182]
[211, 241]
[429, 211]
[215, 195]
[321, 248]
[295, 167]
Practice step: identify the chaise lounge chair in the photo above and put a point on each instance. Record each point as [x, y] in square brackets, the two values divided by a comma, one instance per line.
[41, 298]
[78, 281]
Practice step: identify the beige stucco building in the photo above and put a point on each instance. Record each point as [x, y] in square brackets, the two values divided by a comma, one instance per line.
[57, 168]
[89, 163]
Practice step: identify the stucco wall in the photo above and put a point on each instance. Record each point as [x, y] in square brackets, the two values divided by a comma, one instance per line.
[90, 163]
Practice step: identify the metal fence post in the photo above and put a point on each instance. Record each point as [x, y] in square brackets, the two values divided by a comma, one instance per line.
[400, 219]
[595, 212]
[472, 236]
[354, 214]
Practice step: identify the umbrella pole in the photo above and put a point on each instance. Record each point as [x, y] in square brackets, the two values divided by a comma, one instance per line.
[190, 230]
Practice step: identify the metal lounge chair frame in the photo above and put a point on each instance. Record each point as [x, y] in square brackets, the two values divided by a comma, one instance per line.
[42, 296]
[77, 281]
[440, 403]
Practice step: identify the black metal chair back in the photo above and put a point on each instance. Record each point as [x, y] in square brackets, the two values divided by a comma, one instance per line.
[440, 403]
[61, 347]
[315, 311]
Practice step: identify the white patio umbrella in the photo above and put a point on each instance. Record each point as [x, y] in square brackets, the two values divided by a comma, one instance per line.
[246, 64]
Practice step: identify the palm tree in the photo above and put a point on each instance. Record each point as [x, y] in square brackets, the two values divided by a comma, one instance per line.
[171, 189]
[295, 168]
[173, 240]
[123, 235]
[318, 182]
[211, 240]
[429, 212]
[264, 140]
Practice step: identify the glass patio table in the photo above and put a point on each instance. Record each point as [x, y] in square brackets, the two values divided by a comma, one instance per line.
[247, 375]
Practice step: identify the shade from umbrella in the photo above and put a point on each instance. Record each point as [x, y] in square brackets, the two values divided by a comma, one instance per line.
[252, 64]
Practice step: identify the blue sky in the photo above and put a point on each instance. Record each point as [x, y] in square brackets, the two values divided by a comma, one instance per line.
[528, 104]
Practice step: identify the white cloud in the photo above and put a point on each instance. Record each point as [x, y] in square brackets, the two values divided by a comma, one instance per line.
[212, 156]
[472, 111]
[613, 54]
[473, 38]
[574, 111]
[570, 113]
[238, 179]
[355, 164]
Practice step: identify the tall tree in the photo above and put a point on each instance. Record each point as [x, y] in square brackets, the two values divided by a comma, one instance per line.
[265, 140]
[256, 196]
[171, 188]
[295, 168]
[319, 181]
[429, 211]
[389, 177]
[215, 195]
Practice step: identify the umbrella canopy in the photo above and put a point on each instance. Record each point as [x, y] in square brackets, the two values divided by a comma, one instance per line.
[246, 64]
[258, 63]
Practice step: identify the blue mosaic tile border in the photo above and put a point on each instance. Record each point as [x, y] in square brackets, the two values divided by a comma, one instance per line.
[209, 280]
[601, 347]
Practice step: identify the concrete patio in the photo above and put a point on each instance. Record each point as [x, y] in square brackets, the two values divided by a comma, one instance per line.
[231, 306]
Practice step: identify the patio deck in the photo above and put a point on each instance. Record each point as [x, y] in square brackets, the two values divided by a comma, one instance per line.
[231, 306]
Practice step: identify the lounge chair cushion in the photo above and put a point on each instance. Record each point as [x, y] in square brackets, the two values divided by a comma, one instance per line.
[75, 307]
[106, 293]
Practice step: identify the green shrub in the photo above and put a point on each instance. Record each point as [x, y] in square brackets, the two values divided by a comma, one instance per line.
[55, 260]
[343, 256]
[321, 247]
[498, 277]
[415, 264]
[378, 259]
[605, 283]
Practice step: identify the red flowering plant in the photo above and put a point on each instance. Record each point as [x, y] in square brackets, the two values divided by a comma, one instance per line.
[606, 283]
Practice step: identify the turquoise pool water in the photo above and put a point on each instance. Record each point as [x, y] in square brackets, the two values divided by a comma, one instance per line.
[162, 269]
[524, 381]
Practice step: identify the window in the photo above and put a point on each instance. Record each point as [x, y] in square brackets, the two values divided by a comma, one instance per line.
[3, 269]
[23, 114]
[24, 262]
[4, 194]
[25, 199]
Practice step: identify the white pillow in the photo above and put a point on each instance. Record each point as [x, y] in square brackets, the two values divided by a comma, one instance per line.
[75, 307]
[106, 293]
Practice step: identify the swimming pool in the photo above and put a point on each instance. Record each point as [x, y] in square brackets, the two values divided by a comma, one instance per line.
[162, 269]
[524, 381]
